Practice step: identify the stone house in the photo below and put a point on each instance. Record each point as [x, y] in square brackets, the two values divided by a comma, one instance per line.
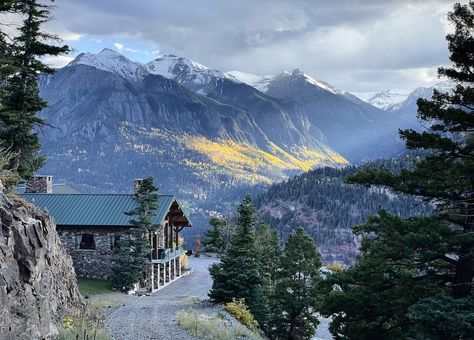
[90, 225]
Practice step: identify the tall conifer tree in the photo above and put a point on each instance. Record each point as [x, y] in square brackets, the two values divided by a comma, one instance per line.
[268, 254]
[293, 305]
[237, 274]
[132, 255]
[213, 237]
[414, 277]
[20, 99]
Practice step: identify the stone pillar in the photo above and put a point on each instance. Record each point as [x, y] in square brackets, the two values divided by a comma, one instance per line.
[39, 185]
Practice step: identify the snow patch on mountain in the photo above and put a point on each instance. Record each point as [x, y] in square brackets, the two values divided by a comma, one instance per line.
[259, 82]
[262, 83]
[318, 83]
[420, 92]
[385, 98]
[183, 69]
[112, 61]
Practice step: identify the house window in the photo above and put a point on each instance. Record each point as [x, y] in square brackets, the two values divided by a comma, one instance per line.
[85, 241]
[114, 241]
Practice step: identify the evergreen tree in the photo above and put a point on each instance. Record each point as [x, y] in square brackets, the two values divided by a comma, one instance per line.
[20, 99]
[398, 267]
[237, 274]
[446, 175]
[268, 254]
[132, 255]
[409, 265]
[213, 237]
[294, 303]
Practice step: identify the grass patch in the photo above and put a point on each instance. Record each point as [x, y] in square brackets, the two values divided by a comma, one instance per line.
[213, 328]
[84, 323]
[89, 287]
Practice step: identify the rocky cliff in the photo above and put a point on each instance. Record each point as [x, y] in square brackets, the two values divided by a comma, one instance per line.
[37, 279]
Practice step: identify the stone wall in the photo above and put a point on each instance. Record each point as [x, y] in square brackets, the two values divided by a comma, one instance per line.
[92, 263]
[95, 263]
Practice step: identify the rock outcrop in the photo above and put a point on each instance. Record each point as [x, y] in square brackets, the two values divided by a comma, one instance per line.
[37, 279]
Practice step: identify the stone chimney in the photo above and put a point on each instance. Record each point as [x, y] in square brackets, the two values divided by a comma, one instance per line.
[39, 185]
[136, 184]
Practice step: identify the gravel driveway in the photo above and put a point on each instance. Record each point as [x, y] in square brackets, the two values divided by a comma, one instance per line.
[154, 317]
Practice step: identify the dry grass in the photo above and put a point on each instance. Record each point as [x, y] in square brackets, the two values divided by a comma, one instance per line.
[84, 324]
[213, 328]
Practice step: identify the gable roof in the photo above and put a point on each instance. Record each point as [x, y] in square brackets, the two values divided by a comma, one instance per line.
[99, 209]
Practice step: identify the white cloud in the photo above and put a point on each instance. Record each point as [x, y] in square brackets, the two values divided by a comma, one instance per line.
[70, 36]
[338, 41]
[118, 46]
[122, 48]
[57, 61]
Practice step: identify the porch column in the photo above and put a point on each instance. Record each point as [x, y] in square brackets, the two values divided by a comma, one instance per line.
[177, 237]
[152, 277]
[159, 276]
[179, 267]
[157, 238]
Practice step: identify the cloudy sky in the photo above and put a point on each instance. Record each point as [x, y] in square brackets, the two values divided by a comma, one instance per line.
[356, 45]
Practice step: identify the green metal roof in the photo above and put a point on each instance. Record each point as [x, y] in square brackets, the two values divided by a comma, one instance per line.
[95, 209]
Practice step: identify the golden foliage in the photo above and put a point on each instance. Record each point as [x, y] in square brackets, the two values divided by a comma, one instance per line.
[241, 312]
[335, 267]
[252, 164]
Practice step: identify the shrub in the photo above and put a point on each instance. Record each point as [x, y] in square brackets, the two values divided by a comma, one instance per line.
[335, 267]
[241, 312]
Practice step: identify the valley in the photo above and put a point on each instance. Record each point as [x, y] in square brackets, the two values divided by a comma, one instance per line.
[209, 136]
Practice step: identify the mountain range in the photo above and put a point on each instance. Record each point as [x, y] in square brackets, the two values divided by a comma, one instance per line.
[206, 135]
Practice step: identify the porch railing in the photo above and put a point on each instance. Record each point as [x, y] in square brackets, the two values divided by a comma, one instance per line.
[166, 254]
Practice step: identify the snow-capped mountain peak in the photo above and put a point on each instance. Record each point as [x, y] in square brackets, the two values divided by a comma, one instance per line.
[384, 98]
[111, 61]
[262, 83]
[183, 69]
[258, 82]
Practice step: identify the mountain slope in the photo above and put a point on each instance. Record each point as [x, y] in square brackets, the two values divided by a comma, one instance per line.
[353, 128]
[115, 124]
[327, 208]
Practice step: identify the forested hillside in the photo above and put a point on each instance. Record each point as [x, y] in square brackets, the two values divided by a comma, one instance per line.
[327, 207]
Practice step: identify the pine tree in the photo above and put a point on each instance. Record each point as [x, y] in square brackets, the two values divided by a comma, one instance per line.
[399, 266]
[407, 266]
[20, 99]
[294, 304]
[132, 255]
[446, 176]
[237, 274]
[268, 254]
[213, 237]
